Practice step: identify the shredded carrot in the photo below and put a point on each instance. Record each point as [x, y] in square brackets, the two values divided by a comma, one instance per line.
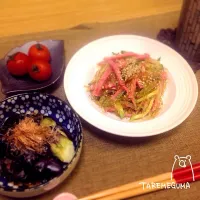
[127, 54]
[109, 86]
[164, 75]
[139, 83]
[116, 69]
[102, 80]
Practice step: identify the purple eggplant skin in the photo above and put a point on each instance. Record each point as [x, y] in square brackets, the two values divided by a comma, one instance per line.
[40, 166]
[54, 167]
[21, 176]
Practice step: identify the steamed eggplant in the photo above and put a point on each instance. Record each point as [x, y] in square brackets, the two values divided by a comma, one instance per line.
[33, 149]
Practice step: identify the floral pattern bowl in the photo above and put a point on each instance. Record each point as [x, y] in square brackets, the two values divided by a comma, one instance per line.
[59, 111]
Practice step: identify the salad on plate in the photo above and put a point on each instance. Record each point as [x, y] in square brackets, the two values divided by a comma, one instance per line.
[129, 85]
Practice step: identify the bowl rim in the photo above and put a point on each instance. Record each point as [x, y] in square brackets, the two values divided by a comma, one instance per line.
[41, 185]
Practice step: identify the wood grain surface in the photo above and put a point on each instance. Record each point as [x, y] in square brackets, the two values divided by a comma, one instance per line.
[31, 16]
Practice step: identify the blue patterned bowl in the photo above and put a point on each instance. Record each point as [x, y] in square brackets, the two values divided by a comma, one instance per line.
[59, 111]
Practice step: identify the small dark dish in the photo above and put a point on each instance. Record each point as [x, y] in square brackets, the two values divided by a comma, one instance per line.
[11, 84]
[46, 105]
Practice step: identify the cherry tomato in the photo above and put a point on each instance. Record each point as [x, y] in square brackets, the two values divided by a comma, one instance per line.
[18, 64]
[40, 70]
[39, 52]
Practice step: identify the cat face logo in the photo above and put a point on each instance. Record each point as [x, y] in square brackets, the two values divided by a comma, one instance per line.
[182, 162]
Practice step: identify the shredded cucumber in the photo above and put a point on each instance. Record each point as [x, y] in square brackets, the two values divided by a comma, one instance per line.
[146, 112]
[119, 108]
[147, 96]
[63, 149]
[47, 121]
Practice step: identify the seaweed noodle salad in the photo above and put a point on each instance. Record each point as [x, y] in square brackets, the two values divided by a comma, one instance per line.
[130, 85]
[33, 149]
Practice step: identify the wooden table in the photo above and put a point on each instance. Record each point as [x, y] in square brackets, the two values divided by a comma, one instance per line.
[33, 16]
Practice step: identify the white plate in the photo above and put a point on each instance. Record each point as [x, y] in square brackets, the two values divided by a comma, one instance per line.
[179, 98]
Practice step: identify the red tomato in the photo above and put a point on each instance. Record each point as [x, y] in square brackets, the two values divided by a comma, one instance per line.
[18, 64]
[40, 70]
[39, 52]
